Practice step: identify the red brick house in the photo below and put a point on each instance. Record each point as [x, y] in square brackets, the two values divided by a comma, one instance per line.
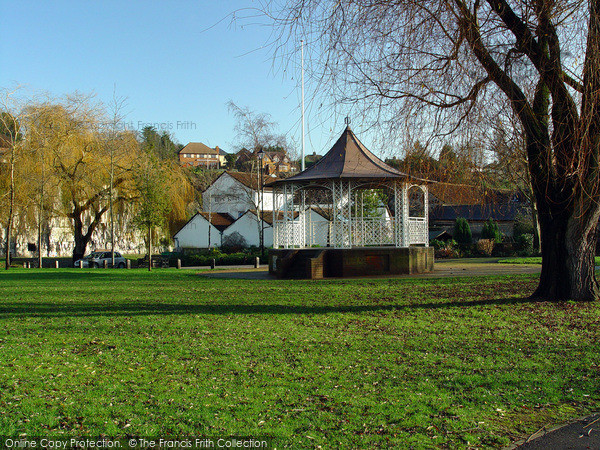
[198, 154]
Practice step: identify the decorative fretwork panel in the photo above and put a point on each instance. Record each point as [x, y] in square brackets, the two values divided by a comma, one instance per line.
[417, 231]
[319, 233]
[289, 234]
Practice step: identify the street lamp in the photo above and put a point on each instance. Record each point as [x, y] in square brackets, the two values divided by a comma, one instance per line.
[261, 156]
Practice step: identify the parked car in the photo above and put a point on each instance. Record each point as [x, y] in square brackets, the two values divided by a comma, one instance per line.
[97, 258]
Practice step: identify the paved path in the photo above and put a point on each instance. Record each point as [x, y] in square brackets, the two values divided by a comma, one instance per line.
[445, 268]
[580, 434]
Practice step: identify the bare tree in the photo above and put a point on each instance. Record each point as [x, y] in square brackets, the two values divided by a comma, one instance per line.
[444, 63]
[12, 114]
[10, 136]
[257, 132]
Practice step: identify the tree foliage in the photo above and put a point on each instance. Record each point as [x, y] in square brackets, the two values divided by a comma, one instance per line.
[161, 144]
[490, 231]
[462, 231]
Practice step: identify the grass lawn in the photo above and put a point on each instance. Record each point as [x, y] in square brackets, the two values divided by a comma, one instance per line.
[531, 260]
[451, 363]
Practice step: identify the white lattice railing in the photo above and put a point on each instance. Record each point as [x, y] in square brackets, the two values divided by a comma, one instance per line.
[417, 231]
[289, 234]
[359, 232]
[370, 231]
[318, 233]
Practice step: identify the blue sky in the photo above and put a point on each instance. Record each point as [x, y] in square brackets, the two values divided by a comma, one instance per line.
[177, 63]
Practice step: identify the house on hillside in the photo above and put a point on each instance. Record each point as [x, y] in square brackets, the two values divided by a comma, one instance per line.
[273, 163]
[234, 193]
[197, 154]
[277, 162]
[204, 230]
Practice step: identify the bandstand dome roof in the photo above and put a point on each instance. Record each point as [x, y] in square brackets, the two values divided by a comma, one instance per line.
[347, 159]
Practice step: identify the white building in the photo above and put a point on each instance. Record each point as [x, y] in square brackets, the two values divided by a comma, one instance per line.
[249, 227]
[235, 193]
[204, 230]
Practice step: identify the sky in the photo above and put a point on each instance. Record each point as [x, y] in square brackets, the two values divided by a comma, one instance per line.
[177, 63]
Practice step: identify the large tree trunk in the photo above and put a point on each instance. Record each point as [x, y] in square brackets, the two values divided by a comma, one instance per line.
[7, 245]
[81, 242]
[83, 239]
[149, 248]
[11, 208]
[568, 250]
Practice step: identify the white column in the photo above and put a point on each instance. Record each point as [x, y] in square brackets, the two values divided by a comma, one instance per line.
[426, 214]
[405, 213]
[398, 216]
[302, 219]
[334, 214]
[284, 221]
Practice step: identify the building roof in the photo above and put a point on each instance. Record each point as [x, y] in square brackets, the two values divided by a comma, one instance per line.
[476, 213]
[199, 147]
[348, 158]
[466, 194]
[218, 220]
[251, 180]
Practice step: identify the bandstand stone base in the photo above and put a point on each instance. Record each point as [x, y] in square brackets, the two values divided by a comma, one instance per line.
[316, 263]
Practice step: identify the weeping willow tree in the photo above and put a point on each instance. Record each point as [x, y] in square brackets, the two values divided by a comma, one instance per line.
[76, 157]
[448, 63]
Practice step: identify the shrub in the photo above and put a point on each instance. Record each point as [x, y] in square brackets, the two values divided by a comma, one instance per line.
[485, 246]
[437, 244]
[205, 257]
[524, 244]
[234, 242]
[522, 225]
[462, 231]
[490, 231]
[447, 249]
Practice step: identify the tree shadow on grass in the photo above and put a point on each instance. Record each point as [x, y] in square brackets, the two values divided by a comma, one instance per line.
[59, 275]
[49, 310]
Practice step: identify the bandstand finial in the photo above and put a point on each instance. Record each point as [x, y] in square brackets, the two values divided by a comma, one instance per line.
[347, 121]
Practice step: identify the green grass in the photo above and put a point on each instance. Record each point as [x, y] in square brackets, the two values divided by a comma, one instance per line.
[531, 260]
[451, 363]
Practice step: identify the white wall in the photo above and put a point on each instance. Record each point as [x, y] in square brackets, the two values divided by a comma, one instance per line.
[195, 234]
[248, 227]
[58, 239]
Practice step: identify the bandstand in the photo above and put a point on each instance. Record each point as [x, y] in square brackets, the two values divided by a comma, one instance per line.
[323, 226]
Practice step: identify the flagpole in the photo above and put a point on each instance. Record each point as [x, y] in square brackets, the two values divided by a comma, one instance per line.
[302, 45]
